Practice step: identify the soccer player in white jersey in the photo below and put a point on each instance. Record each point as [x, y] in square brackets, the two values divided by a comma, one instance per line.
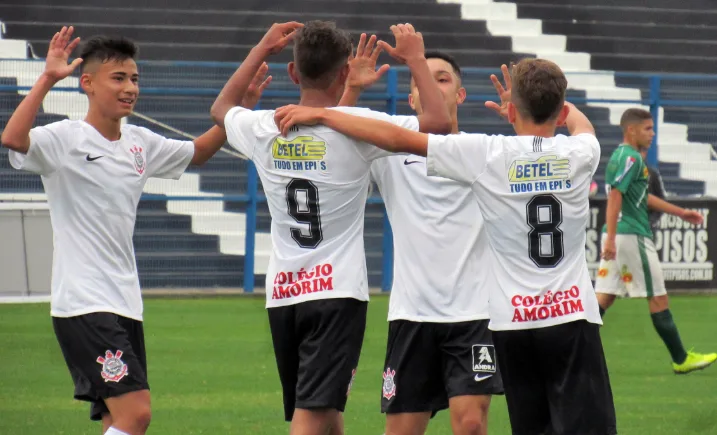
[532, 190]
[438, 311]
[316, 183]
[93, 172]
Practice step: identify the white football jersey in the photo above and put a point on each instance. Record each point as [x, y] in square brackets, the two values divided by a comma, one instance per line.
[93, 186]
[442, 258]
[533, 193]
[316, 183]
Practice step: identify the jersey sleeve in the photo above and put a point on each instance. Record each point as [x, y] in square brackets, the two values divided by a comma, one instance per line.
[166, 158]
[241, 126]
[591, 146]
[370, 152]
[48, 149]
[626, 168]
[460, 157]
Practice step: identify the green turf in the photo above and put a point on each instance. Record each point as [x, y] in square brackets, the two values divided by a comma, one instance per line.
[212, 372]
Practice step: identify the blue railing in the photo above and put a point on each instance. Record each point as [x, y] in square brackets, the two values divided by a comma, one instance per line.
[204, 79]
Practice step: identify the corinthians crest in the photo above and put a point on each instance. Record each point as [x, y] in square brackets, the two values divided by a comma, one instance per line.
[138, 159]
[389, 384]
[113, 368]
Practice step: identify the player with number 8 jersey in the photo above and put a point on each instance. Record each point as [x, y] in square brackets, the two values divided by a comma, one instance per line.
[316, 183]
[532, 190]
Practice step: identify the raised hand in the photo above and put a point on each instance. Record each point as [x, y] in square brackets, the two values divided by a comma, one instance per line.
[56, 67]
[256, 87]
[279, 36]
[362, 65]
[503, 93]
[409, 44]
[288, 116]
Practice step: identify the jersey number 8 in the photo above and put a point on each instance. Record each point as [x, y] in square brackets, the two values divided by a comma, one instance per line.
[545, 240]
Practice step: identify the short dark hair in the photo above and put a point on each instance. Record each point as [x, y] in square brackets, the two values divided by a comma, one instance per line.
[446, 57]
[539, 88]
[320, 50]
[634, 116]
[105, 48]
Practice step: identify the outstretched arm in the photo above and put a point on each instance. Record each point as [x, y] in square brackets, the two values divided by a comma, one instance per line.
[691, 216]
[362, 70]
[278, 37]
[577, 123]
[16, 135]
[384, 135]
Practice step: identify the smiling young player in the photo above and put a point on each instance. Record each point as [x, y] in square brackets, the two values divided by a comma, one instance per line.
[93, 171]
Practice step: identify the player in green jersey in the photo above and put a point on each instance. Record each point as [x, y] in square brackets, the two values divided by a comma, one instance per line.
[630, 265]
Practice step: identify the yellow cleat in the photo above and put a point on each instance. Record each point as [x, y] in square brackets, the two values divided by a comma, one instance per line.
[694, 361]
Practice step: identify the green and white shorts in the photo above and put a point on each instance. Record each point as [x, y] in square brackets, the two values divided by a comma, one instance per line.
[635, 272]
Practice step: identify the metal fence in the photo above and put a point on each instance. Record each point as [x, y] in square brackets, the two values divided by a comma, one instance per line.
[178, 95]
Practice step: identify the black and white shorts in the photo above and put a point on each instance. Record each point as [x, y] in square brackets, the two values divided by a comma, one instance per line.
[317, 345]
[429, 363]
[556, 380]
[105, 354]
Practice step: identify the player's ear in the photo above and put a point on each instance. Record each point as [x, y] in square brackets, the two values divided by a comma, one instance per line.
[461, 95]
[512, 112]
[344, 74]
[411, 102]
[86, 84]
[563, 115]
[291, 68]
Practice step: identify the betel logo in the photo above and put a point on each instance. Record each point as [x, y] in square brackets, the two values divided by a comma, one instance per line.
[484, 358]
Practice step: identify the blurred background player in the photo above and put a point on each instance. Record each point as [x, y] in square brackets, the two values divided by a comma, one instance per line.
[438, 309]
[532, 190]
[630, 265]
[316, 182]
[654, 187]
[93, 172]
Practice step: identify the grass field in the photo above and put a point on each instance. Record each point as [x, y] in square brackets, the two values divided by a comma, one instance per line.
[212, 371]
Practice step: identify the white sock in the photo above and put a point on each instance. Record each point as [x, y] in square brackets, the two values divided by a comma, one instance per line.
[113, 431]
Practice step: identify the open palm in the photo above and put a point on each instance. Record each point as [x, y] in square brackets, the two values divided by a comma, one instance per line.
[56, 66]
[503, 93]
[362, 65]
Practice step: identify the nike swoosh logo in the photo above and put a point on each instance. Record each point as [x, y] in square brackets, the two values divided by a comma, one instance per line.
[479, 378]
[92, 159]
[406, 162]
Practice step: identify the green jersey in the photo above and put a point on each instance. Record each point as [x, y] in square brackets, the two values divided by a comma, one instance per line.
[627, 173]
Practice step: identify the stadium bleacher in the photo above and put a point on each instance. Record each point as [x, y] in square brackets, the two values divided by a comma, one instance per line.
[195, 244]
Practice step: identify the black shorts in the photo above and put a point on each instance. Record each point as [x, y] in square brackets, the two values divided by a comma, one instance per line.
[105, 354]
[428, 363]
[556, 380]
[317, 345]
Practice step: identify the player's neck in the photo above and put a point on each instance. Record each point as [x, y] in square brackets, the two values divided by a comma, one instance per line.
[454, 126]
[524, 128]
[630, 144]
[109, 128]
[317, 98]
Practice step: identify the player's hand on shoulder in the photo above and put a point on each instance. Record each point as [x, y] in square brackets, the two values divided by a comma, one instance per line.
[409, 44]
[291, 115]
[609, 250]
[61, 46]
[256, 87]
[504, 93]
[362, 64]
[692, 217]
[279, 36]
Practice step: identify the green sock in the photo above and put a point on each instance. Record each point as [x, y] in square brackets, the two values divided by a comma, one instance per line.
[667, 330]
[602, 311]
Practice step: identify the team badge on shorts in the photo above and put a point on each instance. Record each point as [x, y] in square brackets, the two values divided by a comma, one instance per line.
[113, 368]
[389, 384]
[483, 361]
[138, 159]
